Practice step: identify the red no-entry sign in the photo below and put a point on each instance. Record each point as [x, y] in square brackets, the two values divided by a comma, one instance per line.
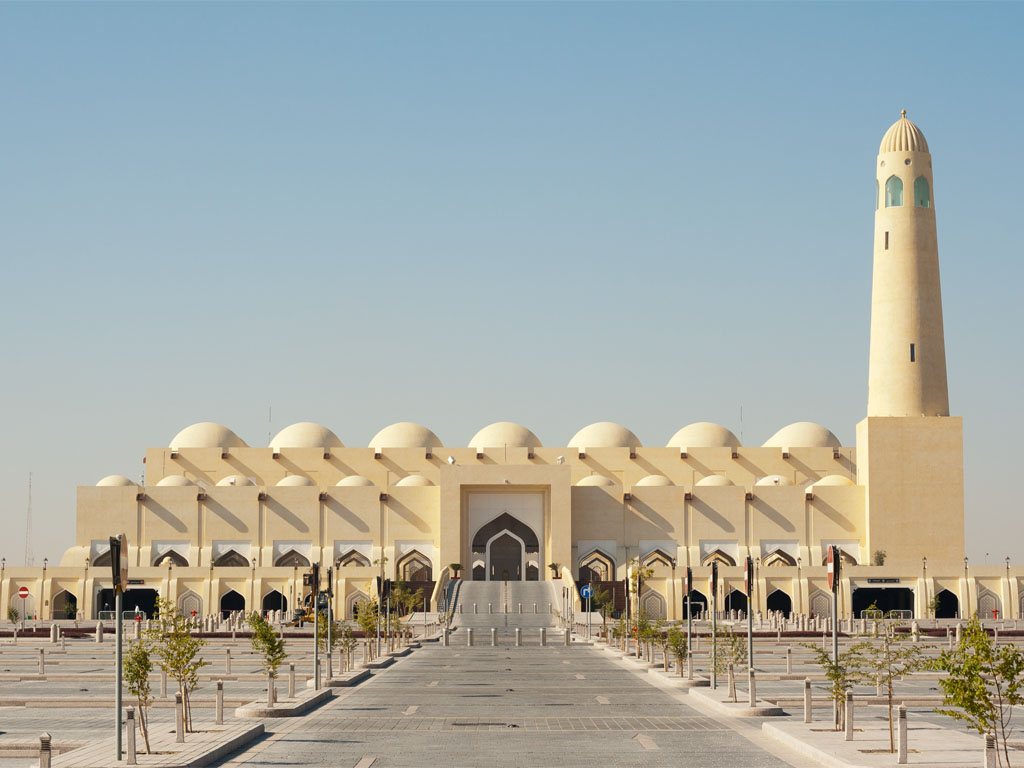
[23, 593]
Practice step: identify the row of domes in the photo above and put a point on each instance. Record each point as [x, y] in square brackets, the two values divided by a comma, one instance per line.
[419, 480]
[603, 434]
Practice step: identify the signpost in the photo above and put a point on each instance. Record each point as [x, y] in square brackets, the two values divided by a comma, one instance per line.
[23, 594]
[713, 584]
[586, 593]
[119, 575]
[748, 585]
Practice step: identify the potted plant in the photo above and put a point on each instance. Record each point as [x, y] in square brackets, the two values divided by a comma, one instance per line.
[555, 568]
[455, 568]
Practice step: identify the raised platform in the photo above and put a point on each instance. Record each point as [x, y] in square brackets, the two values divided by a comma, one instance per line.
[302, 703]
[207, 746]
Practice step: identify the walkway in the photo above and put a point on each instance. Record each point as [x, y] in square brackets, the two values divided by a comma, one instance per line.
[484, 706]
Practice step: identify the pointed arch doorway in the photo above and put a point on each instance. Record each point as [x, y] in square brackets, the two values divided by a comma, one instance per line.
[505, 556]
[506, 549]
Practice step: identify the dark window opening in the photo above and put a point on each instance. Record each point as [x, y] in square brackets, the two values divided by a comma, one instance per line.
[887, 241]
[912, 355]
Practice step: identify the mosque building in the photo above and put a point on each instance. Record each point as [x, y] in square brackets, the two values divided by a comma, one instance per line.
[223, 526]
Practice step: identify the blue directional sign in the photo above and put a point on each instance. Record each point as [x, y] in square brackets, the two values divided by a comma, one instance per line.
[587, 592]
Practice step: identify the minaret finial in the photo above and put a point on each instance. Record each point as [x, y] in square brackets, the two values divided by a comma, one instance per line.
[903, 112]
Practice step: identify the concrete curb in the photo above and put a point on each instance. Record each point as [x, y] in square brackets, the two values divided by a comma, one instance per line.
[344, 681]
[714, 700]
[680, 682]
[301, 704]
[379, 663]
[200, 749]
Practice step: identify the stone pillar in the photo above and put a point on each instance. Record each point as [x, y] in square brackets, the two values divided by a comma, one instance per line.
[752, 683]
[99, 631]
[807, 700]
[901, 758]
[990, 760]
[45, 753]
[270, 689]
[54, 633]
[291, 680]
[163, 684]
[732, 681]
[789, 661]
[848, 712]
[227, 661]
[179, 719]
[494, 636]
[469, 637]
[568, 636]
[130, 733]
[42, 662]
[220, 703]
[519, 637]
[543, 637]
[444, 638]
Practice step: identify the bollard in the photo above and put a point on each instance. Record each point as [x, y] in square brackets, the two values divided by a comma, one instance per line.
[130, 733]
[520, 607]
[490, 608]
[99, 632]
[752, 682]
[915, 631]
[732, 682]
[460, 608]
[469, 637]
[474, 607]
[163, 683]
[444, 638]
[62, 646]
[42, 662]
[990, 751]
[807, 700]
[949, 638]
[220, 703]
[291, 680]
[789, 661]
[227, 661]
[44, 750]
[848, 714]
[568, 637]
[549, 608]
[54, 632]
[519, 637]
[270, 689]
[179, 719]
[902, 757]
[543, 637]
[535, 608]
[689, 666]
[494, 636]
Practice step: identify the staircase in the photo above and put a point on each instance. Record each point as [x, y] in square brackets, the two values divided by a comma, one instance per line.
[504, 598]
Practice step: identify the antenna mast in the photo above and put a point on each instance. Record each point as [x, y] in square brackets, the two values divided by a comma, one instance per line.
[29, 559]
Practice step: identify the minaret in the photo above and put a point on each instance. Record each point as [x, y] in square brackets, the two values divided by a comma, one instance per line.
[910, 459]
[907, 367]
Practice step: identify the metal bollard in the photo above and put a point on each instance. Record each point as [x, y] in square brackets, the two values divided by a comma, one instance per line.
[494, 636]
[220, 703]
[902, 757]
[291, 680]
[807, 700]
[990, 751]
[227, 661]
[179, 719]
[469, 637]
[519, 637]
[42, 662]
[130, 733]
[568, 637]
[752, 682]
[789, 661]
[848, 715]
[543, 637]
[45, 753]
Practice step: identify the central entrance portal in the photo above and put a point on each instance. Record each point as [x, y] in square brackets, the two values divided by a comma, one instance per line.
[504, 545]
[506, 557]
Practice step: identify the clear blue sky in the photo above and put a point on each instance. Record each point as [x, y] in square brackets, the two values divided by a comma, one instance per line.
[463, 213]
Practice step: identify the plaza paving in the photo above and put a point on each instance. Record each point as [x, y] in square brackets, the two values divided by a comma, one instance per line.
[527, 706]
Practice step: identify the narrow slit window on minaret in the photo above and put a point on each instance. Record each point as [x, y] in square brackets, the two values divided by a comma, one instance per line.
[887, 241]
[912, 356]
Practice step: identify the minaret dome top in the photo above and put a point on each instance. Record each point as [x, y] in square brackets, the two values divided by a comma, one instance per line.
[903, 136]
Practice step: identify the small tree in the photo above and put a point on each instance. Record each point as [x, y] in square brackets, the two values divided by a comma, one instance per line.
[732, 649]
[266, 642]
[137, 667]
[12, 614]
[885, 660]
[455, 568]
[841, 674]
[177, 651]
[346, 643]
[321, 620]
[985, 683]
[555, 568]
[366, 615]
[676, 644]
[602, 601]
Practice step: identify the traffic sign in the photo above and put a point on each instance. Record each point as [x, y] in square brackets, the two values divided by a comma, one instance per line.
[748, 576]
[831, 562]
[587, 592]
[23, 593]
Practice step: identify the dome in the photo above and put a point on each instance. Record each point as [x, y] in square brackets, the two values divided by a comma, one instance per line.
[773, 480]
[206, 434]
[111, 480]
[305, 434]
[596, 480]
[354, 480]
[704, 434]
[711, 480]
[833, 480]
[405, 434]
[502, 433]
[803, 434]
[413, 480]
[174, 480]
[654, 480]
[604, 434]
[292, 481]
[235, 480]
[903, 136]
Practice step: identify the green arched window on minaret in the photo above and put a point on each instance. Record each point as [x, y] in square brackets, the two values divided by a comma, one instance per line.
[922, 195]
[894, 192]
